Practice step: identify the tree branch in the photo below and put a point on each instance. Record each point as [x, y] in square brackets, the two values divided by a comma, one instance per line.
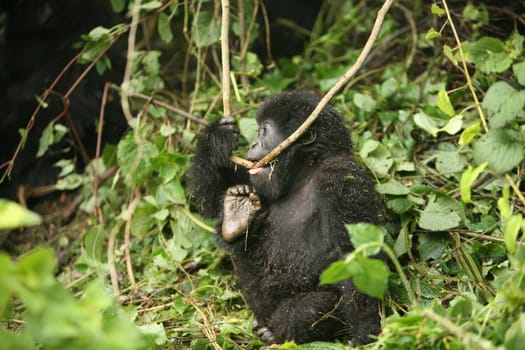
[225, 56]
[330, 94]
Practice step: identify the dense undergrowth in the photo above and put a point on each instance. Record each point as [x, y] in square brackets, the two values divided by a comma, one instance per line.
[437, 115]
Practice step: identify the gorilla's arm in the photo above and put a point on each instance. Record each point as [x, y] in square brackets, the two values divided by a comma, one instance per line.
[211, 171]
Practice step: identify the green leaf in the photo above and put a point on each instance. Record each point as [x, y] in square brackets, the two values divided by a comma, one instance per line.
[437, 10]
[468, 135]
[363, 233]
[502, 149]
[449, 162]
[170, 193]
[118, 5]
[488, 54]
[336, 272]
[515, 334]
[443, 103]
[503, 104]
[248, 128]
[504, 208]
[511, 228]
[519, 72]
[13, 215]
[426, 123]
[467, 179]
[152, 5]
[164, 27]
[431, 246]
[364, 102]
[441, 213]
[454, 125]
[46, 140]
[205, 29]
[392, 187]
[432, 34]
[376, 156]
[369, 275]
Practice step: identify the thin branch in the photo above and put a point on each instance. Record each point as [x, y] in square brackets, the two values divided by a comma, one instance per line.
[465, 68]
[225, 56]
[330, 94]
[135, 12]
[127, 237]
[170, 108]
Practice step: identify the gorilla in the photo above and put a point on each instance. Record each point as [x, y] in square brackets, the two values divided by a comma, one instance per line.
[284, 223]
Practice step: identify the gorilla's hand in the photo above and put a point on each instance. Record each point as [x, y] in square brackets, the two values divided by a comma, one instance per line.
[222, 140]
[240, 205]
[263, 332]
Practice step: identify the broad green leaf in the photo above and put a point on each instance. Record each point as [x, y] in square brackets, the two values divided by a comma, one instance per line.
[118, 5]
[467, 179]
[248, 128]
[392, 187]
[432, 34]
[336, 272]
[155, 330]
[449, 162]
[94, 240]
[447, 51]
[13, 215]
[376, 156]
[501, 149]
[468, 135]
[453, 125]
[515, 334]
[437, 10]
[170, 193]
[400, 205]
[364, 102]
[70, 182]
[363, 233]
[444, 104]
[488, 54]
[369, 275]
[46, 140]
[164, 27]
[519, 72]
[206, 29]
[511, 228]
[426, 123]
[151, 5]
[441, 213]
[431, 246]
[503, 104]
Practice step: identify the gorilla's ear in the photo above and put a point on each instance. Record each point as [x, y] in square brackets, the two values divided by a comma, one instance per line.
[309, 137]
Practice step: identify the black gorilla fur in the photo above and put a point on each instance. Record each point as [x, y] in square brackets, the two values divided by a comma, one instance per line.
[306, 197]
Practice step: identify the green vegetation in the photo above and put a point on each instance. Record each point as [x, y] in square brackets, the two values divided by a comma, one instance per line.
[437, 115]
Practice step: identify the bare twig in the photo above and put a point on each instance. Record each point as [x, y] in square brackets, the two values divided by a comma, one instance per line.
[225, 56]
[169, 107]
[330, 94]
[127, 236]
[111, 259]
[135, 12]
[465, 68]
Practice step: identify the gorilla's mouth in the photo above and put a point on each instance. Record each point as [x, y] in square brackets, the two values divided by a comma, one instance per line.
[256, 171]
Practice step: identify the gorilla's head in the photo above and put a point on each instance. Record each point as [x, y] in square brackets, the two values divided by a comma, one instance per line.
[278, 117]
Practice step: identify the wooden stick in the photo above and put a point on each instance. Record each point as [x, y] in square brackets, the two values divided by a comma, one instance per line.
[225, 56]
[330, 94]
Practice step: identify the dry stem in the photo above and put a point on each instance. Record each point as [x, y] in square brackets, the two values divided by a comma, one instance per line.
[329, 95]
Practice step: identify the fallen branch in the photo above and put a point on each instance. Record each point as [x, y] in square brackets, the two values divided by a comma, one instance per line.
[328, 96]
[225, 56]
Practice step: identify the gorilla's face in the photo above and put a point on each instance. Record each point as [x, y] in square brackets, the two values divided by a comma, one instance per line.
[269, 179]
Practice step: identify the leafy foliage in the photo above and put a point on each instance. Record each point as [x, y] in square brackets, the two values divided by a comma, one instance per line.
[440, 124]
